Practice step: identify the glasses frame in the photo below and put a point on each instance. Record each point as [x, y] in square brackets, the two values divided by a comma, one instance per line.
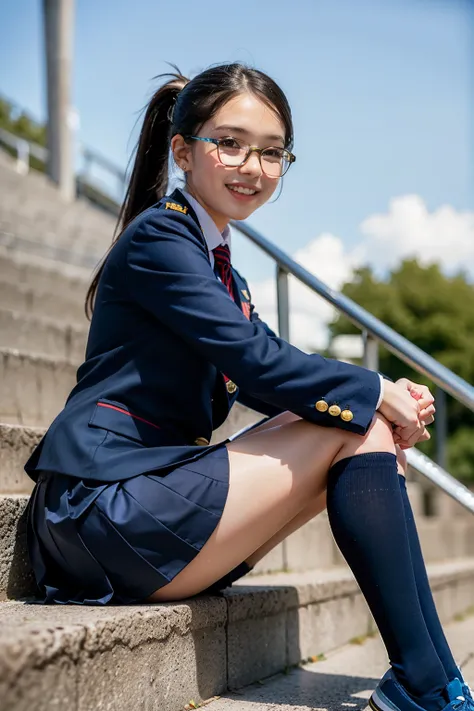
[216, 141]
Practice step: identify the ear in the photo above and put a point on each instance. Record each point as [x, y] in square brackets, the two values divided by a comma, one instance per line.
[181, 152]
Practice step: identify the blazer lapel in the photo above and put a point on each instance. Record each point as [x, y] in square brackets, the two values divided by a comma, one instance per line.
[240, 293]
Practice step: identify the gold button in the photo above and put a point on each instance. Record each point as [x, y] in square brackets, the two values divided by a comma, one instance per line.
[335, 410]
[347, 415]
[231, 387]
[201, 441]
[322, 406]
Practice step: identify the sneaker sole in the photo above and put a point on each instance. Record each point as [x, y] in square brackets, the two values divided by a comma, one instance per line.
[379, 702]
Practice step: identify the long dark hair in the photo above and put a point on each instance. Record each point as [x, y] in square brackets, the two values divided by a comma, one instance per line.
[197, 100]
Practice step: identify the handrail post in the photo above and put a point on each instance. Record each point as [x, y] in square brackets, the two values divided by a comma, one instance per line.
[441, 427]
[22, 156]
[283, 303]
[371, 351]
[283, 306]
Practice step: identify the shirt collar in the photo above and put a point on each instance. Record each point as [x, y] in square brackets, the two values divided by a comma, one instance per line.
[209, 228]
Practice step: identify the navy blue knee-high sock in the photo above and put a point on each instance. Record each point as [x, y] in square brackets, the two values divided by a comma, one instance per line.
[424, 591]
[367, 519]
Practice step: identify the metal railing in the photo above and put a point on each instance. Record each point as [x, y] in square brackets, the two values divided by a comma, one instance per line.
[24, 150]
[374, 332]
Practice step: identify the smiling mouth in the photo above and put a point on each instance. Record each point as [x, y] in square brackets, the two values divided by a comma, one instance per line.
[244, 192]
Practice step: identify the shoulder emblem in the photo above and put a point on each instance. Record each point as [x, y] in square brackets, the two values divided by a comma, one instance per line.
[176, 206]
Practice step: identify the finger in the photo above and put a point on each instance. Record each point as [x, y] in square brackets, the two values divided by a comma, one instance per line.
[430, 410]
[425, 402]
[411, 436]
[423, 437]
[427, 419]
[423, 396]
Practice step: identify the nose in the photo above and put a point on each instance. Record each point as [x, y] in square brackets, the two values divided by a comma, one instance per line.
[252, 164]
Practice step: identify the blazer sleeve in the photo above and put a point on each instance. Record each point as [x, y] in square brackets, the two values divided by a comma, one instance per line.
[246, 398]
[168, 273]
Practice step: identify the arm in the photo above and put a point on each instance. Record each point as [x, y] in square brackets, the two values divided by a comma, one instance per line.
[246, 398]
[258, 405]
[169, 274]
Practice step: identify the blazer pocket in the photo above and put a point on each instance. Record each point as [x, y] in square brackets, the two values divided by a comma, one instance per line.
[115, 417]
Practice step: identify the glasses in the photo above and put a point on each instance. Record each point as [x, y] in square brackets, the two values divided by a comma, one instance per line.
[274, 161]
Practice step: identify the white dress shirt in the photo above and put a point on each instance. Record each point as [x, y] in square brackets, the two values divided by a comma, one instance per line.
[214, 238]
[209, 228]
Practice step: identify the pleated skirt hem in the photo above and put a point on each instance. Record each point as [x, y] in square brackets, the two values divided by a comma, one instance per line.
[96, 543]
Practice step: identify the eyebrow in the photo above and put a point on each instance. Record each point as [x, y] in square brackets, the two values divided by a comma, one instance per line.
[238, 129]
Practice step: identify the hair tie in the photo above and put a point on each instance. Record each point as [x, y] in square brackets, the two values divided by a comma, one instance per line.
[170, 113]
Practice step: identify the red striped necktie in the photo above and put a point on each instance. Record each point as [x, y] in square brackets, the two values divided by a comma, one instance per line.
[222, 261]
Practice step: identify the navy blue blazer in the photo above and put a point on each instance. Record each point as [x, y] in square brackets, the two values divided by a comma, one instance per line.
[164, 330]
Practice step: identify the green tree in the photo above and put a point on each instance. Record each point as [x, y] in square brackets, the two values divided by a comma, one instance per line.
[436, 313]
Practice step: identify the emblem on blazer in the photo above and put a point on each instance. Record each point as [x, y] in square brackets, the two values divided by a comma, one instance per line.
[246, 309]
[245, 293]
[176, 206]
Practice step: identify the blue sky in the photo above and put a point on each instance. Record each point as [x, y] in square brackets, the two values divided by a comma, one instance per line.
[380, 90]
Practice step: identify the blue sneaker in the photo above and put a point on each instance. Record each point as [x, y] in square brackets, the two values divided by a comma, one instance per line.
[391, 696]
[466, 689]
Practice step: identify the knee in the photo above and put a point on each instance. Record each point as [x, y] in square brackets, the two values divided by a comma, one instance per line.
[379, 438]
[402, 463]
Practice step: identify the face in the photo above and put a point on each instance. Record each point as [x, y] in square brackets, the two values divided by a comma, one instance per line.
[207, 178]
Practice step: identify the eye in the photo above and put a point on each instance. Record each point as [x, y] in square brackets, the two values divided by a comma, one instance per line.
[229, 143]
[275, 152]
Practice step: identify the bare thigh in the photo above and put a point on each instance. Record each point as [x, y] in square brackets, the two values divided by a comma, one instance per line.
[275, 472]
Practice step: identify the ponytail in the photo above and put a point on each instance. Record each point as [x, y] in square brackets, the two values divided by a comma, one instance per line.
[149, 178]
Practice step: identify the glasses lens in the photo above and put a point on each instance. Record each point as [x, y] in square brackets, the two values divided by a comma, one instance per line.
[275, 162]
[231, 152]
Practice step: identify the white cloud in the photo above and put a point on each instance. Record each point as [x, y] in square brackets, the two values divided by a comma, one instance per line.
[326, 258]
[407, 229]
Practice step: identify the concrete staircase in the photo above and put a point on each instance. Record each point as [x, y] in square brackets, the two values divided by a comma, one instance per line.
[345, 677]
[33, 217]
[300, 601]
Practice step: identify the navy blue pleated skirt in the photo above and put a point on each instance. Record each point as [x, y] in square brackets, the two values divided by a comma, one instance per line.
[93, 543]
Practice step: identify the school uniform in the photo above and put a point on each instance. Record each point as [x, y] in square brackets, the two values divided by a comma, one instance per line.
[128, 488]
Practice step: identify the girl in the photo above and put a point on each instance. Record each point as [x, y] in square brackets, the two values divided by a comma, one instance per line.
[131, 502]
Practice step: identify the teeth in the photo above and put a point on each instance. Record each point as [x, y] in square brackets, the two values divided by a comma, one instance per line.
[245, 191]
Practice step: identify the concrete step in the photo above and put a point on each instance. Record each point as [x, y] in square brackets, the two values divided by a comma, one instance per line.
[24, 299]
[165, 656]
[16, 444]
[33, 389]
[43, 336]
[311, 546]
[44, 275]
[32, 209]
[344, 677]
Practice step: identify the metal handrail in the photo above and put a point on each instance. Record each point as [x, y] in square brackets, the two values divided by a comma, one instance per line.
[441, 478]
[24, 149]
[374, 331]
[397, 344]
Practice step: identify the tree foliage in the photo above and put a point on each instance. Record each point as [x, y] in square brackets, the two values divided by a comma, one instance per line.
[436, 313]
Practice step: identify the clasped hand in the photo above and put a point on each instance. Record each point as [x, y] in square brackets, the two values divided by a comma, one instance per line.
[410, 409]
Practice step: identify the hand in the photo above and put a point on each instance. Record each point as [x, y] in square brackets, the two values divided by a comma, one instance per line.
[425, 399]
[403, 410]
